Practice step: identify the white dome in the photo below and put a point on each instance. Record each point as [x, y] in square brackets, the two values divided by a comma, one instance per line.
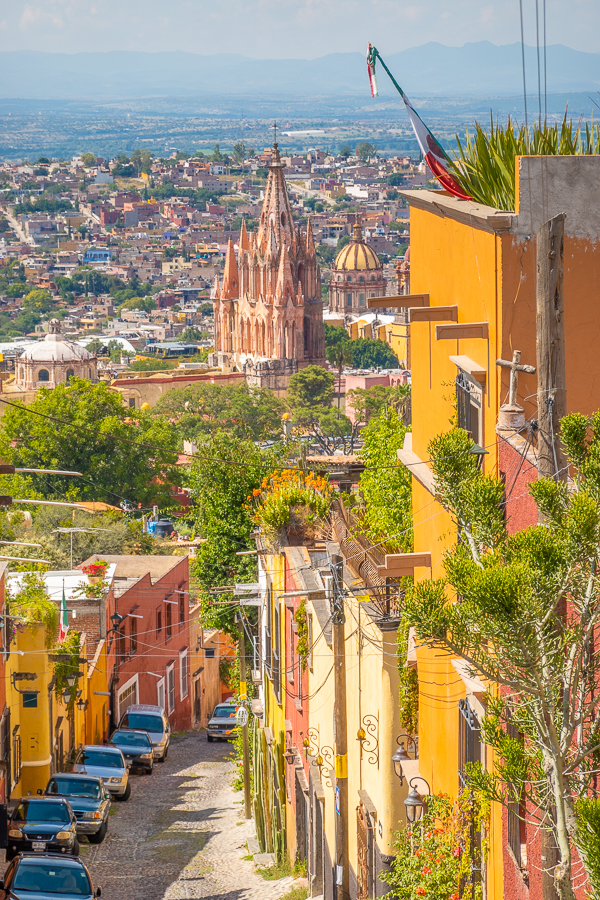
[55, 349]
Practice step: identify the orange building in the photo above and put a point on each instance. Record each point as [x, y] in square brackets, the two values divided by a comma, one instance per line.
[476, 267]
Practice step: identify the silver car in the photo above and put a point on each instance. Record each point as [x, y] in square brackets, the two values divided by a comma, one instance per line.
[107, 763]
[153, 720]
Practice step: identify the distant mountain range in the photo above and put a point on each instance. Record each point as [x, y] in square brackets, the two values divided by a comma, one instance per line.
[433, 69]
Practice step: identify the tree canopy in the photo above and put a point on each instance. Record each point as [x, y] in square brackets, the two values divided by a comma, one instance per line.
[202, 409]
[310, 387]
[85, 427]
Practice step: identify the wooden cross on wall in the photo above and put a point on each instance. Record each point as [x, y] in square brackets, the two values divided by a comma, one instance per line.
[515, 367]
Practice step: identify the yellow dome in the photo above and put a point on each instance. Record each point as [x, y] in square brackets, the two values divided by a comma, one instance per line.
[357, 256]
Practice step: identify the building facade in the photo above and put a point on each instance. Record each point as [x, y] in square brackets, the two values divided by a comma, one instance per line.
[268, 310]
[54, 361]
[357, 274]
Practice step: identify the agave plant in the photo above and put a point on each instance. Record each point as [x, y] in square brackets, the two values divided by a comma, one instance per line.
[485, 164]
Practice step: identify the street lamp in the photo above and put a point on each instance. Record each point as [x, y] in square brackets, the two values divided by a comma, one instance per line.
[398, 758]
[415, 801]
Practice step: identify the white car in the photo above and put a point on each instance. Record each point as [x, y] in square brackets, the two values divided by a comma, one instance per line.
[107, 763]
[223, 722]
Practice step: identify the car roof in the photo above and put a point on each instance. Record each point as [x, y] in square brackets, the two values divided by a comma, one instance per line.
[226, 703]
[129, 731]
[44, 799]
[101, 747]
[41, 857]
[143, 707]
[77, 776]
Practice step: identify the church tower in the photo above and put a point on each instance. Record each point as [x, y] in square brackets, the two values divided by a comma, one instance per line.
[268, 310]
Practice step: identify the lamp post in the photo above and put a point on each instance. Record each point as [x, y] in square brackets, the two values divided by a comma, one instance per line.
[415, 802]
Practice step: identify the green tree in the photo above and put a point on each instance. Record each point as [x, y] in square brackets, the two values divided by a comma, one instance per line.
[373, 354]
[85, 428]
[203, 409]
[217, 156]
[88, 159]
[152, 365]
[365, 152]
[222, 478]
[38, 301]
[527, 618]
[370, 402]
[345, 151]
[239, 152]
[396, 179]
[146, 304]
[385, 485]
[340, 356]
[328, 428]
[191, 333]
[310, 387]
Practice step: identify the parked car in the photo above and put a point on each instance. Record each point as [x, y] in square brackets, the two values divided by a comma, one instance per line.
[107, 763]
[153, 719]
[42, 823]
[89, 799]
[136, 747]
[46, 875]
[222, 724]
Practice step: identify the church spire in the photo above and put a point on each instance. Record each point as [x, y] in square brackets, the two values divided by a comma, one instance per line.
[276, 208]
[243, 244]
[230, 275]
[215, 294]
[310, 240]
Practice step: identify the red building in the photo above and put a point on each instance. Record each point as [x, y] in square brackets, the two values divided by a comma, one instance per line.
[148, 628]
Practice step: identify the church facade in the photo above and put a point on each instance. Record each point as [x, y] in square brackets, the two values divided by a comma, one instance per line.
[268, 309]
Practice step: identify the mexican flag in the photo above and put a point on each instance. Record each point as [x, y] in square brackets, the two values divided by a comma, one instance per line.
[434, 156]
[63, 626]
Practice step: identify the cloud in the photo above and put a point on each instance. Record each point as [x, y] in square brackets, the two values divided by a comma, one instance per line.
[34, 17]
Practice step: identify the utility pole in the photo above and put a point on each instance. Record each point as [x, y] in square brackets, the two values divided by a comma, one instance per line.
[550, 347]
[243, 696]
[340, 736]
[552, 405]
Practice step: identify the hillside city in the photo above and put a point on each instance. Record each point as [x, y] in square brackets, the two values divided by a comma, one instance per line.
[300, 517]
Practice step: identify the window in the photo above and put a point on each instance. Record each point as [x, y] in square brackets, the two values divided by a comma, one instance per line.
[361, 278]
[469, 405]
[133, 636]
[30, 700]
[268, 635]
[43, 375]
[171, 688]
[469, 751]
[309, 641]
[168, 628]
[158, 621]
[160, 693]
[184, 673]
[290, 672]
[128, 695]
[181, 609]
[132, 403]
[277, 653]
[16, 755]
[209, 653]
[348, 299]
[361, 299]
[70, 374]
[121, 645]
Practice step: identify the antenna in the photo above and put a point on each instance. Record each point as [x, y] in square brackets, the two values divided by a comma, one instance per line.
[274, 127]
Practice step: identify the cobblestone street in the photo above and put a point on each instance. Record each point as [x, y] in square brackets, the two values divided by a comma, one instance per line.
[181, 835]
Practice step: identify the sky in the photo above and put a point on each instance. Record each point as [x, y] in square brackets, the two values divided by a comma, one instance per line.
[280, 29]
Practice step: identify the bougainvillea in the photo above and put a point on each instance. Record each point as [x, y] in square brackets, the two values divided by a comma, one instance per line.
[434, 858]
[288, 492]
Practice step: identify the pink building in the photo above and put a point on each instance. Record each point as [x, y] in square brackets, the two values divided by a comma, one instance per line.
[366, 380]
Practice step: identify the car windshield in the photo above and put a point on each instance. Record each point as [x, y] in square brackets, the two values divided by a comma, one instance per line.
[129, 739]
[144, 721]
[40, 811]
[225, 712]
[75, 788]
[103, 759]
[52, 878]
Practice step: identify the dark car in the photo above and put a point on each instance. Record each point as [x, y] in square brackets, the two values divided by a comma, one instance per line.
[44, 876]
[143, 717]
[136, 747]
[42, 824]
[89, 799]
[222, 723]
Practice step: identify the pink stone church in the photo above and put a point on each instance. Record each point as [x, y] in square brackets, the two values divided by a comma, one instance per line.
[268, 311]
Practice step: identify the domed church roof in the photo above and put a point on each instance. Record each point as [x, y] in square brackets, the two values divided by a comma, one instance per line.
[54, 348]
[357, 255]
